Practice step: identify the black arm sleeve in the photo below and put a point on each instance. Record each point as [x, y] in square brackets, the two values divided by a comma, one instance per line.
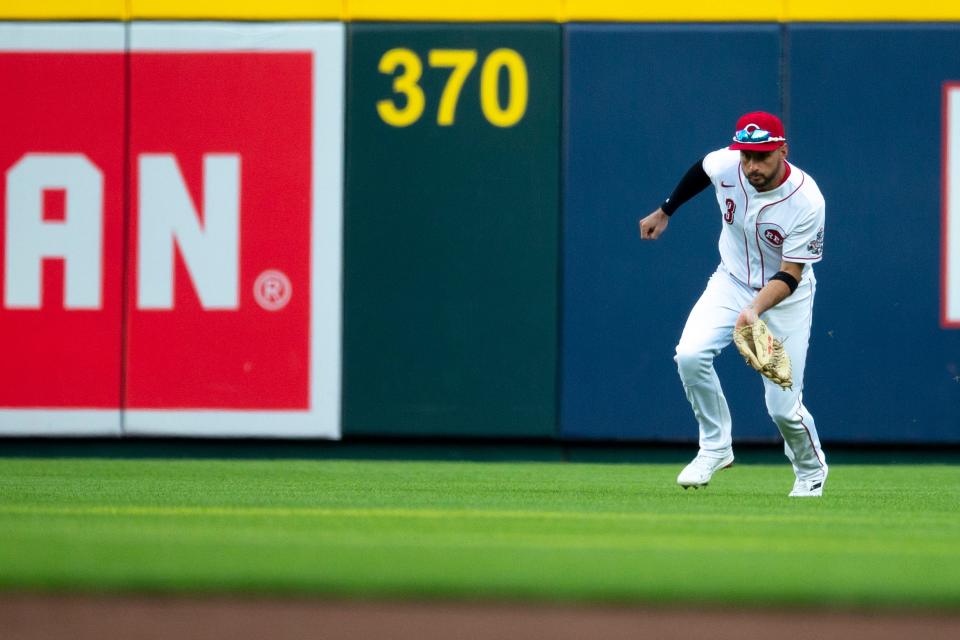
[693, 182]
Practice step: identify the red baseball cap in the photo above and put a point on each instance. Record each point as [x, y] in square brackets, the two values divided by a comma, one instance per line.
[758, 131]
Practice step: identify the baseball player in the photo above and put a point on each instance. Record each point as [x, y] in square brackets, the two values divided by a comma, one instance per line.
[772, 232]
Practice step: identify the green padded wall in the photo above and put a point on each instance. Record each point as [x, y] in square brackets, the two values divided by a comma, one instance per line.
[451, 238]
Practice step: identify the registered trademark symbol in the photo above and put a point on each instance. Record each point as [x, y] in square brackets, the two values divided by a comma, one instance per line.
[272, 290]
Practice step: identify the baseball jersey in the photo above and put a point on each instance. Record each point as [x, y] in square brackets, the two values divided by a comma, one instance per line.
[761, 228]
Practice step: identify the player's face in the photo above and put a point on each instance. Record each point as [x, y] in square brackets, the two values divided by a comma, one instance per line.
[764, 169]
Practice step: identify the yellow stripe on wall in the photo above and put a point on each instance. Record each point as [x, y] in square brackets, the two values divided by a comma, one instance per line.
[676, 11]
[489, 10]
[457, 11]
[872, 11]
[63, 9]
[238, 9]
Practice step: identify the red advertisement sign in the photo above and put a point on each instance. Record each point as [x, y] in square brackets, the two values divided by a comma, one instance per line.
[61, 231]
[220, 231]
[171, 237]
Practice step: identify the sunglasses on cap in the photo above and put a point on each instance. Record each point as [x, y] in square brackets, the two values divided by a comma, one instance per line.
[752, 134]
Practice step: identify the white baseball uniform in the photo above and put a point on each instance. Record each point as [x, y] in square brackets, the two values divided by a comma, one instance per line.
[759, 230]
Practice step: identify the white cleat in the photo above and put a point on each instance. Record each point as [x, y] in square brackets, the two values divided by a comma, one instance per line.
[698, 473]
[812, 488]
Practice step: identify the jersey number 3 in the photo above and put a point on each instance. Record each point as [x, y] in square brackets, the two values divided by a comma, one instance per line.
[731, 207]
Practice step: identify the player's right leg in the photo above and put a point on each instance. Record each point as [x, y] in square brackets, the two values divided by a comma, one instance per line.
[708, 330]
[791, 319]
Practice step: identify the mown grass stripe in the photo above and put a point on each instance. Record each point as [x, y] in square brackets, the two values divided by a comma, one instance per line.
[637, 541]
[441, 514]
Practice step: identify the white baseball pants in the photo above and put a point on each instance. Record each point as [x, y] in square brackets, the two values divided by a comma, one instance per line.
[710, 328]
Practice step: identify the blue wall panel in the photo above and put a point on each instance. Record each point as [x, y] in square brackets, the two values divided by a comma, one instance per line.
[865, 105]
[643, 102]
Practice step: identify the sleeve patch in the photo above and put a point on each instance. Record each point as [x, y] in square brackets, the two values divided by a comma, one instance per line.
[815, 246]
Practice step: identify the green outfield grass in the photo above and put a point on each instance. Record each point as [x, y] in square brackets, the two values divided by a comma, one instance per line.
[882, 535]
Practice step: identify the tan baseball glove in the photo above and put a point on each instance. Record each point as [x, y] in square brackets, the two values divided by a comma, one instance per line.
[764, 353]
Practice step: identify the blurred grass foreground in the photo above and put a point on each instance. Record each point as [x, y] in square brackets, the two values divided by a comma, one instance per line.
[881, 535]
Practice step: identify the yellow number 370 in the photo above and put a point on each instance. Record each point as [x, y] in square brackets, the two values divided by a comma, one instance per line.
[460, 62]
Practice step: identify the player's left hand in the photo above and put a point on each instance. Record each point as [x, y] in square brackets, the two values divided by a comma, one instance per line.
[747, 317]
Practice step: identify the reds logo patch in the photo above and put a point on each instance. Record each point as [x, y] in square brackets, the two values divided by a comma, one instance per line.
[773, 237]
[772, 234]
[728, 214]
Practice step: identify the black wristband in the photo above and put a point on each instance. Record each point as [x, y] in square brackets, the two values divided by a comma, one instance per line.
[787, 279]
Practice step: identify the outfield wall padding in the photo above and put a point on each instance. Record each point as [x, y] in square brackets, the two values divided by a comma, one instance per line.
[464, 198]
[643, 104]
[172, 229]
[61, 344]
[866, 117]
[452, 232]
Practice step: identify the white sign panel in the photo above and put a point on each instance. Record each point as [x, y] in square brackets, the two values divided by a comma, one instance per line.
[951, 207]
